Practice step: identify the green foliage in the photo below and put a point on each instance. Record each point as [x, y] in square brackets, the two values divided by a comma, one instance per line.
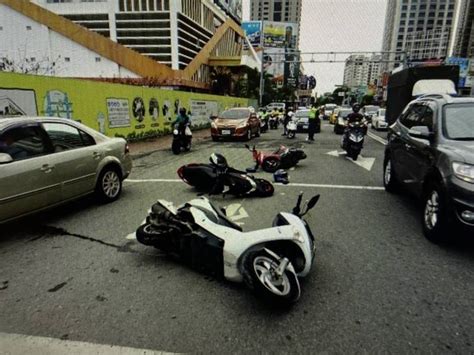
[367, 100]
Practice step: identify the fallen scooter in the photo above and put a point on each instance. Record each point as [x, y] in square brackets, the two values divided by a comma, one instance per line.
[282, 158]
[219, 178]
[269, 260]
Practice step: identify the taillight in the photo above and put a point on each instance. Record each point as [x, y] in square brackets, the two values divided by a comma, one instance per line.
[127, 148]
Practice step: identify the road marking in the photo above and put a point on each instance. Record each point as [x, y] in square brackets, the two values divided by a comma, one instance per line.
[236, 212]
[363, 162]
[27, 344]
[296, 184]
[377, 138]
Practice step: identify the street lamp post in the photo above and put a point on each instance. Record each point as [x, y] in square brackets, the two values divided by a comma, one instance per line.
[262, 43]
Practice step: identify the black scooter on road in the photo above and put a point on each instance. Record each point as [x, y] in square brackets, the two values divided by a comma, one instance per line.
[353, 139]
[217, 177]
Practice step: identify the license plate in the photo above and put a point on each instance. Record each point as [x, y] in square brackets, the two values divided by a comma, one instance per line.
[305, 126]
[226, 131]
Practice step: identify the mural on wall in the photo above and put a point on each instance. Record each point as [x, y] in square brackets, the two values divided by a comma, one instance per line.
[118, 113]
[128, 111]
[138, 107]
[57, 104]
[201, 111]
[15, 102]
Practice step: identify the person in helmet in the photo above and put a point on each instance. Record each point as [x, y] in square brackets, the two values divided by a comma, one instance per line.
[181, 120]
[354, 116]
[289, 114]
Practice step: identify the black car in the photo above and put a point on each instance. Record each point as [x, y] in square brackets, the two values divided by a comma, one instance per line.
[430, 151]
[303, 119]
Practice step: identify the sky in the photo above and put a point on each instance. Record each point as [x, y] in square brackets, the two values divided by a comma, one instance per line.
[336, 25]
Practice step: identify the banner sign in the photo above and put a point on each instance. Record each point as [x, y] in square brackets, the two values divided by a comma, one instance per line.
[464, 64]
[253, 30]
[280, 34]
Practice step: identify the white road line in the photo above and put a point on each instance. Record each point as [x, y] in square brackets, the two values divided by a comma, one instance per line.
[27, 344]
[377, 138]
[292, 184]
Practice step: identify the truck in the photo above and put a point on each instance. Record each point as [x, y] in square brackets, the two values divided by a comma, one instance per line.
[407, 84]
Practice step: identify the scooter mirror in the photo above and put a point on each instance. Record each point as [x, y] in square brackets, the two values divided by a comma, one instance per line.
[314, 200]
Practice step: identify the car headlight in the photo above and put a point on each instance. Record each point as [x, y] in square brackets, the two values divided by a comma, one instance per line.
[464, 171]
[242, 125]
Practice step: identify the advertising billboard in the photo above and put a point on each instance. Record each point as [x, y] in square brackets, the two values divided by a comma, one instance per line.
[253, 30]
[280, 34]
[232, 7]
[464, 64]
[292, 69]
[273, 64]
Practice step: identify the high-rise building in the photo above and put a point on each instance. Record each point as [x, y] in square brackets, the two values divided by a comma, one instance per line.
[276, 10]
[463, 44]
[406, 18]
[361, 71]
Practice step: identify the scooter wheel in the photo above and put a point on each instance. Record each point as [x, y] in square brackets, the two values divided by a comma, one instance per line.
[258, 269]
[264, 188]
[176, 147]
[270, 165]
[148, 234]
[291, 135]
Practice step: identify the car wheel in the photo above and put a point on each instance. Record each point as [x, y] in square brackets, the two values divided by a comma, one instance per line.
[434, 216]
[390, 181]
[109, 185]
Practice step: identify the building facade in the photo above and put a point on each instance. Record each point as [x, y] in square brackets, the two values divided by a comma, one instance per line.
[463, 44]
[406, 20]
[361, 71]
[276, 10]
[176, 42]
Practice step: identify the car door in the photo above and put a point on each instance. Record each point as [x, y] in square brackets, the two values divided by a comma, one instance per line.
[398, 142]
[76, 156]
[30, 181]
[420, 153]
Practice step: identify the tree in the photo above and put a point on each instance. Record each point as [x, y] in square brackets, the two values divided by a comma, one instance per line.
[45, 66]
[335, 95]
[367, 100]
[221, 80]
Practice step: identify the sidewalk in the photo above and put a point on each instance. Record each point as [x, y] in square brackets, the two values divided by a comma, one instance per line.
[139, 149]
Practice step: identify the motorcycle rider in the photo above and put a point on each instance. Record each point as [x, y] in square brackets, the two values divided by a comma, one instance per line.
[355, 116]
[286, 119]
[181, 120]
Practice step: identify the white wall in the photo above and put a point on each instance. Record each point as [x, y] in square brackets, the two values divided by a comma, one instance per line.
[18, 43]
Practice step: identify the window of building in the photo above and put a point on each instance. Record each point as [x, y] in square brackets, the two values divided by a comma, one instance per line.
[32, 59]
[67, 59]
[28, 28]
[98, 59]
[277, 16]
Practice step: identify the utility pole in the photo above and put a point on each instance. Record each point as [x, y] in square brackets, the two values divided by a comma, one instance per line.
[262, 44]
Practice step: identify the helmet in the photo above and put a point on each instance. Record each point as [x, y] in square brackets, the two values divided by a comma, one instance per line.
[356, 107]
[281, 176]
[218, 160]
[182, 111]
[290, 114]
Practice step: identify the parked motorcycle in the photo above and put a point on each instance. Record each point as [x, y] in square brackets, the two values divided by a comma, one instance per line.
[282, 158]
[269, 260]
[181, 141]
[217, 177]
[353, 139]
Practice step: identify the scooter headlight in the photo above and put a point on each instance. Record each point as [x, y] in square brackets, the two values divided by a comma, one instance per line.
[175, 132]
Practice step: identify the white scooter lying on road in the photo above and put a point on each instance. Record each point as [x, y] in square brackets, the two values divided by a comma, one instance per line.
[269, 260]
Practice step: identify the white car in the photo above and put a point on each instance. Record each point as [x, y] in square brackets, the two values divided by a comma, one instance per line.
[378, 121]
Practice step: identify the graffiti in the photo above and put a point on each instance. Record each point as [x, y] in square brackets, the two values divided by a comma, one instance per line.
[138, 109]
[15, 102]
[154, 109]
[57, 104]
[166, 110]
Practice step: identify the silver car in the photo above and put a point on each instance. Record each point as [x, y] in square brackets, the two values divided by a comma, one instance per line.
[47, 161]
[378, 121]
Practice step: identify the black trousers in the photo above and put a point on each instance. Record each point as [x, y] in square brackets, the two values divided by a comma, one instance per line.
[311, 129]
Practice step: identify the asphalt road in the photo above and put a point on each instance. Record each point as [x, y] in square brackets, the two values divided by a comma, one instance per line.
[377, 284]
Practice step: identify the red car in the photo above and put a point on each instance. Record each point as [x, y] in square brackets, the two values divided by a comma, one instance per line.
[239, 122]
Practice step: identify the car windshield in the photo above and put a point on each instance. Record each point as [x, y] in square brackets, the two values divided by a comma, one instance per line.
[300, 114]
[344, 113]
[235, 114]
[458, 122]
[371, 109]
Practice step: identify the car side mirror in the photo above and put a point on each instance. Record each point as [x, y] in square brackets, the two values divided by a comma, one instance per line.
[421, 132]
[5, 158]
